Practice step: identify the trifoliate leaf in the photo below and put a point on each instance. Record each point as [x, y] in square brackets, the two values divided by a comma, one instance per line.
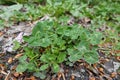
[45, 42]
[16, 45]
[43, 67]
[56, 67]
[75, 57]
[21, 68]
[44, 58]
[40, 74]
[61, 57]
[95, 38]
[91, 57]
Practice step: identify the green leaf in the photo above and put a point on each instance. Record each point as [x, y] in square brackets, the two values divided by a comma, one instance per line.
[74, 55]
[38, 27]
[42, 27]
[23, 59]
[8, 12]
[75, 13]
[16, 45]
[60, 30]
[75, 32]
[70, 51]
[31, 66]
[40, 74]
[95, 38]
[49, 2]
[44, 58]
[56, 67]
[23, 64]
[48, 57]
[84, 35]
[83, 46]
[117, 47]
[91, 57]
[51, 57]
[45, 42]
[44, 67]
[61, 57]
[64, 19]
[28, 39]
[2, 22]
[21, 68]
[29, 52]
[37, 74]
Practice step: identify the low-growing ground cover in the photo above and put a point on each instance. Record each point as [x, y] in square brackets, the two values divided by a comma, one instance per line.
[64, 40]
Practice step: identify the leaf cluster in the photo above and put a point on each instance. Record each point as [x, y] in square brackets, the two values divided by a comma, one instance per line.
[52, 43]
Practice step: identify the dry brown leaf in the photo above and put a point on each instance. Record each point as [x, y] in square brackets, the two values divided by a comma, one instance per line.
[17, 56]
[2, 66]
[14, 78]
[1, 54]
[100, 69]
[13, 67]
[59, 75]
[16, 74]
[118, 58]
[31, 78]
[89, 72]
[63, 76]
[117, 51]
[10, 60]
[107, 77]
[1, 33]
[113, 74]
[105, 45]
[103, 60]
[86, 20]
[95, 66]
[8, 76]
[107, 60]
[1, 77]
[72, 77]
[101, 74]
[92, 78]
[3, 72]
[118, 34]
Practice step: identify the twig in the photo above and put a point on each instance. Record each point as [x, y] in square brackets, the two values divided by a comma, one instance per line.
[3, 72]
[8, 75]
[63, 76]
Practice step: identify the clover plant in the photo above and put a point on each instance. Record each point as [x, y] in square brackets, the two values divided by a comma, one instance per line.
[52, 43]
